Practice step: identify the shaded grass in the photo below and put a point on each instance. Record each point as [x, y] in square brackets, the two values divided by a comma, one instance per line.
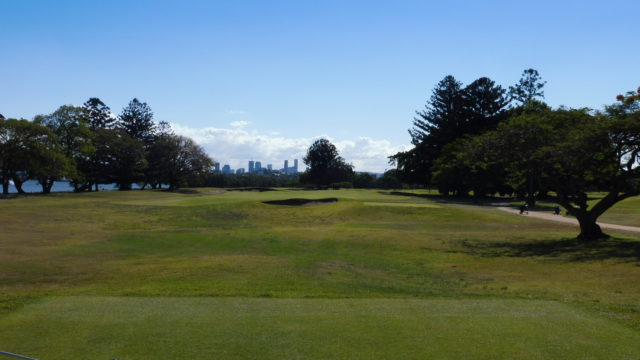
[240, 328]
[568, 249]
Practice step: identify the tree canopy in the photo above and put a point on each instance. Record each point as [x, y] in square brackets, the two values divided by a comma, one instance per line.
[173, 158]
[528, 87]
[137, 120]
[567, 151]
[30, 150]
[326, 166]
[98, 114]
[451, 113]
[87, 147]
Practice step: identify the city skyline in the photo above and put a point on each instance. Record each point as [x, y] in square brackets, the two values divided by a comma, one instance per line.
[255, 166]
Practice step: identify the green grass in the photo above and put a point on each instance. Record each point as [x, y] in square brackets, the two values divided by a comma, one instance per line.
[240, 328]
[626, 212]
[137, 255]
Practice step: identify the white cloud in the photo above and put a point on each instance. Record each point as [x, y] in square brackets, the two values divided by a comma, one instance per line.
[239, 124]
[236, 146]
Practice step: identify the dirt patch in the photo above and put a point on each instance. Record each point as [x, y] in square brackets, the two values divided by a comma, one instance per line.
[302, 202]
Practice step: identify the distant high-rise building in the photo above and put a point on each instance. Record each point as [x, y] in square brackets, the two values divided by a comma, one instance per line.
[295, 166]
[269, 167]
[240, 171]
[226, 169]
[286, 166]
[217, 167]
[250, 166]
[258, 166]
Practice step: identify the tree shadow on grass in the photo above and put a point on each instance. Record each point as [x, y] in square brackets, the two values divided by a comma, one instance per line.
[463, 200]
[566, 249]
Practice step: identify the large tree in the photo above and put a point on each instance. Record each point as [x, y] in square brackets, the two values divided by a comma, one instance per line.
[30, 151]
[451, 113]
[98, 114]
[485, 105]
[570, 152]
[124, 157]
[435, 126]
[71, 126]
[173, 159]
[471, 164]
[137, 120]
[326, 166]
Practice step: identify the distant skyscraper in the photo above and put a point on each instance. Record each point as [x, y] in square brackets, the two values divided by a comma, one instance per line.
[258, 166]
[240, 171]
[286, 166]
[295, 166]
[269, 167]
[250, 166]
[226, 169]
[217, 166]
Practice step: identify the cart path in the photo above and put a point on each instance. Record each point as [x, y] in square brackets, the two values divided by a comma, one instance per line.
[560, 218]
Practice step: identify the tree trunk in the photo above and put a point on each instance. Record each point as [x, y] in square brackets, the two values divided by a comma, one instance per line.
[5, 186]
[47, 188]
[589, 229]
[17, 182]
[531, 200]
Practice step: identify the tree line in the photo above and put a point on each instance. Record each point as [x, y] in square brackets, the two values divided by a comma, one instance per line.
[479, 139]
[89, 146]
[482, 140]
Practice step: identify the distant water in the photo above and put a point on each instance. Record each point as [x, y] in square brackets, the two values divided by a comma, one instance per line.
[33, 186]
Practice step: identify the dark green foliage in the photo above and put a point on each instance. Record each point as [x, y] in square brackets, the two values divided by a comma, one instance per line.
[326, 166]
[528, 88]
[127, 162]
[30, 151]
[434, 127]
[363, 180]
[566, 151]
[484, 106]
[71, 126]
[341, 185]
[174, 158]
[390, 180]
[137, 120]
[451, 113]
[98, 114]
[81, 144]
[439, 122]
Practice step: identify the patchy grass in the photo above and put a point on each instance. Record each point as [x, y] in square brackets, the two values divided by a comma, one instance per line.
[148, 247]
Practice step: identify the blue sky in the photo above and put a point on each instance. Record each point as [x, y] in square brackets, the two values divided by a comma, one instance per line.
[261, 79]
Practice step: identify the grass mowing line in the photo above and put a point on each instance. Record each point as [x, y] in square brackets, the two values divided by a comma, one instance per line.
[186, 328]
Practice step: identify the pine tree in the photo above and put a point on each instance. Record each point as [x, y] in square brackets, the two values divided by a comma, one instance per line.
[529, 87]
[137, 120]
[99, 114]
